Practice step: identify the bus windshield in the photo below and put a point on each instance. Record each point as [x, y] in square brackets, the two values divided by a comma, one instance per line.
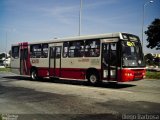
[132, 55]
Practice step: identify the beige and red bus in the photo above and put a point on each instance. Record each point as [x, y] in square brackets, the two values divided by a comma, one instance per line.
[105, 57]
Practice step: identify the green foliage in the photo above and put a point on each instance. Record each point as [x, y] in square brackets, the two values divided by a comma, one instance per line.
[4, 69]
[0, 117]
[152, 75]
[157, 61]
[149, 59]
[153, 34]
[2, 55]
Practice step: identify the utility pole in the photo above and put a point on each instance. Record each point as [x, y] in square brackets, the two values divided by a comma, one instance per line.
[6, 52]
[143, 16]
[80, 17]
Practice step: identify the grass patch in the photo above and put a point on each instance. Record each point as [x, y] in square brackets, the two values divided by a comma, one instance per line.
[5, 70]
[152, 75]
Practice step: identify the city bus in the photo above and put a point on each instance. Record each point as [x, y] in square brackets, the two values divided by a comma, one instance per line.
[116, 57]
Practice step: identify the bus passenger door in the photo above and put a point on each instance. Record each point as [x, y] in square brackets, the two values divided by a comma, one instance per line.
[20, 62]
[109, 61]
[15, 59]
[24, 60]
[55, 61]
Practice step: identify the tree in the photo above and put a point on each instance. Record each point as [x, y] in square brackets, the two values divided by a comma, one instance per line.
[149, 59]
[2, 55]
[153, 34]
[157, 61]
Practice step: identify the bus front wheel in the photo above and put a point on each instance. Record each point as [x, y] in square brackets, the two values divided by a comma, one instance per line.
[93, 78]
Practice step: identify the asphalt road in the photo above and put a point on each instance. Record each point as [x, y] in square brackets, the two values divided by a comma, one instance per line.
[23, 99]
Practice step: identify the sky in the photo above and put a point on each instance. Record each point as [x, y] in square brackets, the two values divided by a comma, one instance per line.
[40, 20]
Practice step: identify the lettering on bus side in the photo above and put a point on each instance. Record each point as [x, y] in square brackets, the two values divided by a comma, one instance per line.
[95, 61]
[35, 61]
[83, 60]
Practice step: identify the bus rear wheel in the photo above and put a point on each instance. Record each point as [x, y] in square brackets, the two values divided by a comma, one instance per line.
[34, 74]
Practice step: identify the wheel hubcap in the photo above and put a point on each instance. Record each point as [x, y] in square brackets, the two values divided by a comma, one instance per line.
[33, 75]
[93, 79]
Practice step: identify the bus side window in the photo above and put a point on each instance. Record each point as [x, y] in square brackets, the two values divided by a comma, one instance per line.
[65, 49]
[71, 49]
[76, 49]
[55, 52]
[92, 48]
[44, 50]
[35, 51]
[15, 52]
[52, 52]
[106, 54]
[79, 49]
[58, 52]
[24, 54]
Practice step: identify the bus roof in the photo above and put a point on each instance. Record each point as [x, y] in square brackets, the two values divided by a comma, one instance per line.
[84, 37]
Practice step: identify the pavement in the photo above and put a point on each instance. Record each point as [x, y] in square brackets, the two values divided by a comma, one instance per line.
[23, 99]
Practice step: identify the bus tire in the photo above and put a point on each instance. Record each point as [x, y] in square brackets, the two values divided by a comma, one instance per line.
[93, 78]
[34, 75]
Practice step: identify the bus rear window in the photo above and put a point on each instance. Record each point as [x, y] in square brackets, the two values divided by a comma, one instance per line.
[15, 52]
